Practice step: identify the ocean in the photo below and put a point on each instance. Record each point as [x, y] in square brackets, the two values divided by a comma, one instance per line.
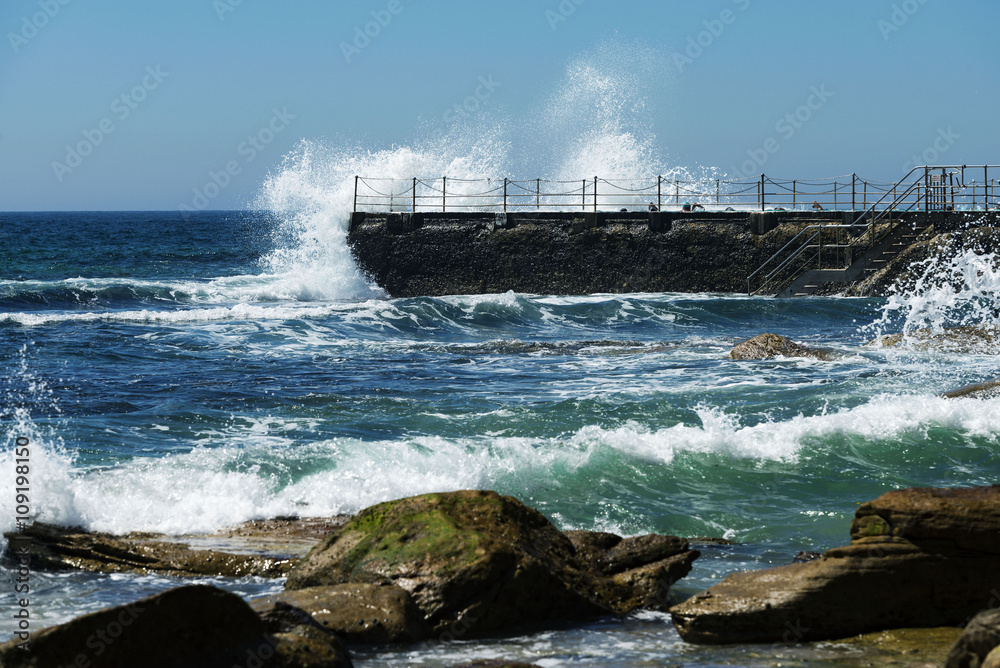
[181, 373]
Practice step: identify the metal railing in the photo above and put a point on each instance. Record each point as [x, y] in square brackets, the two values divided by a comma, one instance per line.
[847, 192]
[933, 188]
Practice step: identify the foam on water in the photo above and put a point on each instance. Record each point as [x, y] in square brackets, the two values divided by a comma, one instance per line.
[951, 289]
[220, 483]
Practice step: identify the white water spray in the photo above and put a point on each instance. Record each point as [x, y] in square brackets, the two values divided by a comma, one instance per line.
[596, 123]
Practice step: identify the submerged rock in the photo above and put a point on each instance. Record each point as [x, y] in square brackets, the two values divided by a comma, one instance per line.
[475, 561]
[767, 346]
[980, 339]
[55, 548]
[197, 626]
[918, 557]
[980, 638]
[985, 390]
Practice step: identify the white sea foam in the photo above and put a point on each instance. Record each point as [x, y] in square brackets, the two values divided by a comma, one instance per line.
[951, 289]
[273, 474]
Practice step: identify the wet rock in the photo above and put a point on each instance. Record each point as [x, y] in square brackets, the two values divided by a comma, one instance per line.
[56, 548]
[805, 555]
[475, 561]
[188, 626]
[496, 663]
[980, 339]
[307, 646]
[767, 346]
[918, 557]
[358, 613]
[980, 637]
[986, 390]
[645, 564]
[919, 648]
[992, 659]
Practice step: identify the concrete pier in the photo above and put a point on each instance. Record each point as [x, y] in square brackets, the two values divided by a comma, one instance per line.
[439, 253]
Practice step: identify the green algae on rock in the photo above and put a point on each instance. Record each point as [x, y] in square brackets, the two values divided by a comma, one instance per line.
[479, 561]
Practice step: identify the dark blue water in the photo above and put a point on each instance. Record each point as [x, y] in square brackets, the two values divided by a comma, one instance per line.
[186, 374]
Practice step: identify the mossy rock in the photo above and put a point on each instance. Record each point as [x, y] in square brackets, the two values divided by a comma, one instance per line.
[476, 561]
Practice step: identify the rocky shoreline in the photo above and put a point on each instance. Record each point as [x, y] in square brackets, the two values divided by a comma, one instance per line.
[473, 563]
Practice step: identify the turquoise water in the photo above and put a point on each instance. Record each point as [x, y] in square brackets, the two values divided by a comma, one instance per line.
[183, 375]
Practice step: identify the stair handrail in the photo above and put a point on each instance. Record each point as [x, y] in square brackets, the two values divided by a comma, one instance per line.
[870, 211]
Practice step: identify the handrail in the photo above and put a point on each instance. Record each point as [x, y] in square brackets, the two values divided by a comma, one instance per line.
[923, 188]
[592, 193]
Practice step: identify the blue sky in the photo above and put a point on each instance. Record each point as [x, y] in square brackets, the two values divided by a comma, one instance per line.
[163, 97]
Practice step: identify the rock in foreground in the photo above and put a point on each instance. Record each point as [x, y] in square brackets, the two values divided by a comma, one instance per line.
[57, 548]
[980, 638]
[918, 558]
[358, 613]
[768, 346]
[195, 626]
[475, 561]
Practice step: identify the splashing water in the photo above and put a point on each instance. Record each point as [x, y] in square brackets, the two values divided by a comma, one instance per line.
[953, 289]
[597, 122]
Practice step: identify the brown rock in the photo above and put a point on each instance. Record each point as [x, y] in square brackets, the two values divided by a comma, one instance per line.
[992, 659]
[647, 565]
[940, 519]
[307, 646]
[977, 339]
[767, 346]
[496, 663]
[358, 613]
[475, 561]
[979, 639]
[987, 389]
[918, 557]
[57, 548]
[197, 626]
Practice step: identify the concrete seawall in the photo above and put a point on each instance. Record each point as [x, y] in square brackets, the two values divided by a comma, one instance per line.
[429, 254]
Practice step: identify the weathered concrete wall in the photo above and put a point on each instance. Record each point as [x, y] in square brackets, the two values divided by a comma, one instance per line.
[427, 254]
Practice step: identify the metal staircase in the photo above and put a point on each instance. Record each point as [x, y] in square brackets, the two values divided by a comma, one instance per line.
[838, 253]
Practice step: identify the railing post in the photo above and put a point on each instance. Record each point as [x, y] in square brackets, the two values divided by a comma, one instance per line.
[659, 192]
[538, 193]
[865, 205]
[854, 189]
[595, 194]
[505, 194]
[677, 191]
[413, 205]
[835, 194]
[718, 199]
[583, 202]
[355, 192]
[986, 188]
[927, 183]
[444, 194]
[761, 192]
[794, 198]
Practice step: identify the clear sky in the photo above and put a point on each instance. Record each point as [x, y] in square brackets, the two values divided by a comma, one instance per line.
[135, 105]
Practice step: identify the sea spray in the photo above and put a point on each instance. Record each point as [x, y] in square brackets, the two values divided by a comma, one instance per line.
[596, 122]
[955, 287]
[35, 464]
